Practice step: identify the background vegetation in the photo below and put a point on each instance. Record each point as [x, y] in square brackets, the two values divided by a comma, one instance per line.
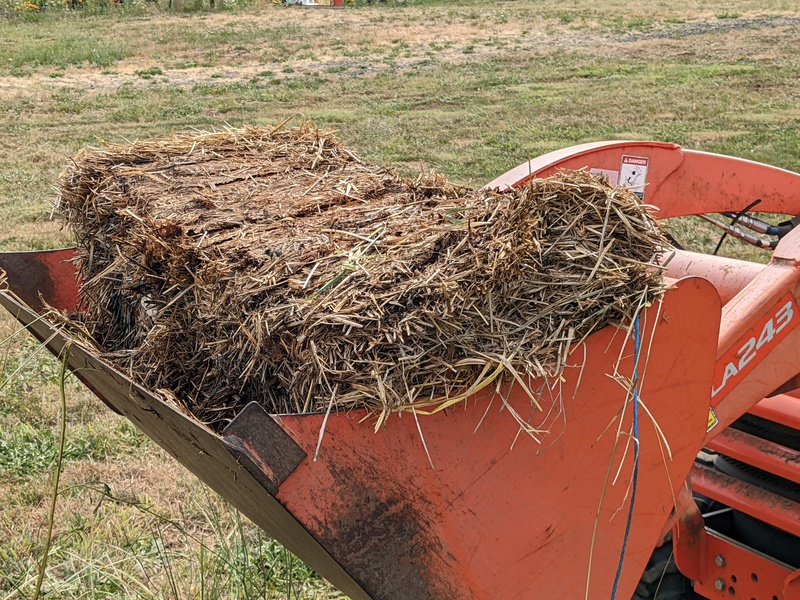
[468, 88]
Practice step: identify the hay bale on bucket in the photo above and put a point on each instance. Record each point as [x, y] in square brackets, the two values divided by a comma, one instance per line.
[276, 266]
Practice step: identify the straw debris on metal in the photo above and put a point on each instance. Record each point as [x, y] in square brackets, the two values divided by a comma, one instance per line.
[277, 266]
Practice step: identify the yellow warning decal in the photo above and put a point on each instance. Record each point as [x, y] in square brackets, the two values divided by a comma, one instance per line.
[712, 419]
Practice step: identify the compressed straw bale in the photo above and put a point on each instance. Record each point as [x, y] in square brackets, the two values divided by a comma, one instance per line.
[277, 266]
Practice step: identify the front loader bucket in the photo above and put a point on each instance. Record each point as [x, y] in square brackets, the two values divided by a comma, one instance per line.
[459, 504]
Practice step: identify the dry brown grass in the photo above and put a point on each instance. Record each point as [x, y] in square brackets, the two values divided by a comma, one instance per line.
[148, 479]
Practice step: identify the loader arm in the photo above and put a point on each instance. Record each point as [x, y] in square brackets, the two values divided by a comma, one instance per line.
[679, 182]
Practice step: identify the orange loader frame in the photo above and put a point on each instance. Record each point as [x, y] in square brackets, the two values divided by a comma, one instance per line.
[461, 504]
[681, 183]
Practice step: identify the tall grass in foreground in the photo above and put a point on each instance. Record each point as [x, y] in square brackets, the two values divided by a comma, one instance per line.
[102, 538]
[207, 552]
[161, 557]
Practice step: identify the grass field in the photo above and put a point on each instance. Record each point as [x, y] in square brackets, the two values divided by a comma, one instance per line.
[468, 88]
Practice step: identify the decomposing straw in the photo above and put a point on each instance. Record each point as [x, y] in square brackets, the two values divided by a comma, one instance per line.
[277, 266]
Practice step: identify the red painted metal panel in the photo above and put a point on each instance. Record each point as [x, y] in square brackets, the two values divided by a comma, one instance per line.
[49, 273]
[783, 408]
[760, 453]
[679, 181]
[727, 275]
[214, 460]
[501, 516]
[684, 182]
[754, 345]
[664, 159]
[781, 364]
[750, 499]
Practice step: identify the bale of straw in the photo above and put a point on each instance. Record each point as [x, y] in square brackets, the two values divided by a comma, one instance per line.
[277, 266]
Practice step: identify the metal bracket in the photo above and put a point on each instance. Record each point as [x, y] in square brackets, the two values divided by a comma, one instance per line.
[262, 446]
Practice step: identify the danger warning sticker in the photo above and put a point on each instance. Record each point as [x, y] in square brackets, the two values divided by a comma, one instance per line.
[633, 173]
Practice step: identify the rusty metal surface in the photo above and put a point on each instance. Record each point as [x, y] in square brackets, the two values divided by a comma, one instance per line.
[387, 534]
[49, 273]
[689, 537]
[750, 499]
[263, 447]
[200, 450]
[758, 452]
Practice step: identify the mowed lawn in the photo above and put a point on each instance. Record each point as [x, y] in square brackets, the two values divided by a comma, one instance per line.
[470, 89]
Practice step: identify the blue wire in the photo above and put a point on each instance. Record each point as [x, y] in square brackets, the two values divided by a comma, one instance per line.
[636, 346]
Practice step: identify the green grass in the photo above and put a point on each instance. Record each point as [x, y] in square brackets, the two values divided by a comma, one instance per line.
[26, 450]
[470, 89]
[62, 49]
[149, 72]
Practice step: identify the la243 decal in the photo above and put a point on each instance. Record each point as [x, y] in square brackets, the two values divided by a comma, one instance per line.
[754, 346]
